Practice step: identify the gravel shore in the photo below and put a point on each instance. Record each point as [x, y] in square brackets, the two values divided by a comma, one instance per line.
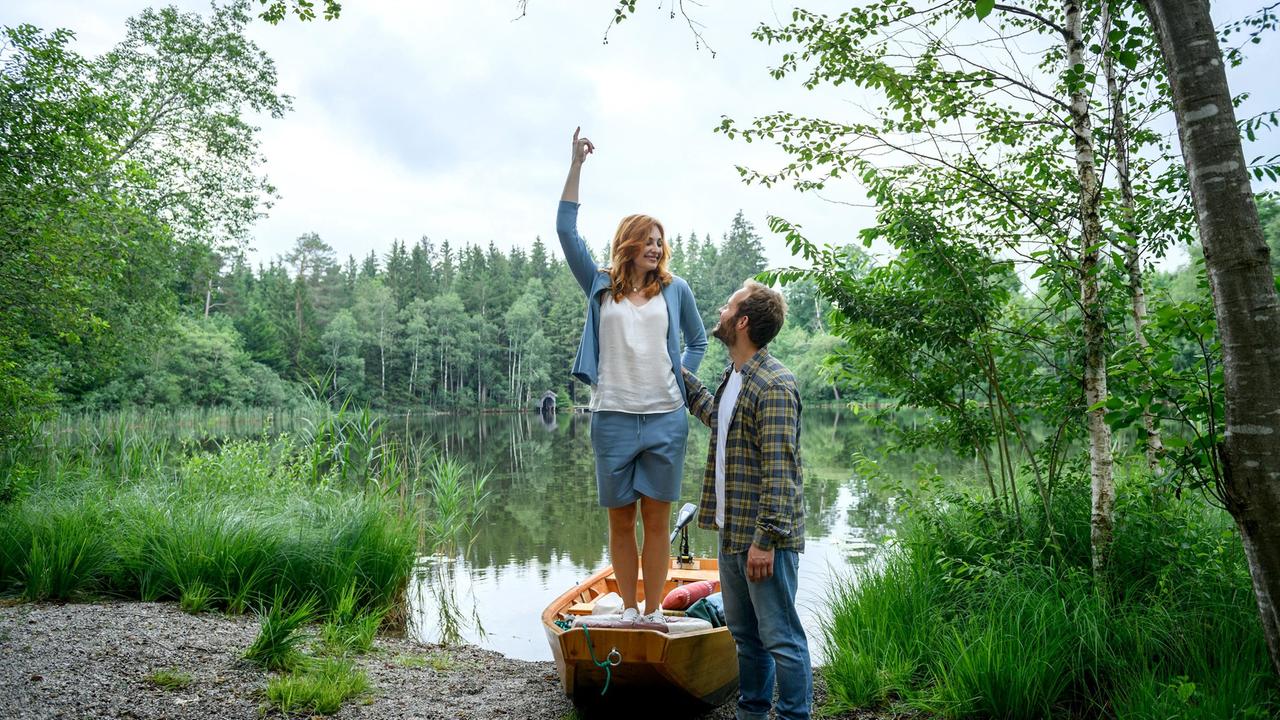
[96, 660]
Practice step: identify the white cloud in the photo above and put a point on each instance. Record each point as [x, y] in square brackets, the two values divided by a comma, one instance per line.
[451, 120]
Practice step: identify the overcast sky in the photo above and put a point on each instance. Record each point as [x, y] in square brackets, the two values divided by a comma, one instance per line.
[453, 119]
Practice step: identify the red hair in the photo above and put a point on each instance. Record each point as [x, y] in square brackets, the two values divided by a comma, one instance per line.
[628, 243]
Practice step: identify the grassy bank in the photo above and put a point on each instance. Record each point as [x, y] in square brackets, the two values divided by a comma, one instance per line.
[131, 511]
[975, 615]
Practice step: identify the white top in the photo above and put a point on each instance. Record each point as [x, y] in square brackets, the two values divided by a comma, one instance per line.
[635, 369]
[724, 416]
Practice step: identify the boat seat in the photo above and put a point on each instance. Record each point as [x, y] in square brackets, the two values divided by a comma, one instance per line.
[688, 575]
[581, 608]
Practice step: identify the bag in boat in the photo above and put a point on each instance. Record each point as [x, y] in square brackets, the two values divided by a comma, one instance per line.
[616, 621]
[710, 608]
[674, 625]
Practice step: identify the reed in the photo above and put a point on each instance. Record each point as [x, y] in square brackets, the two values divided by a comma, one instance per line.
[452, 500]
[225, 515]
[974, 617]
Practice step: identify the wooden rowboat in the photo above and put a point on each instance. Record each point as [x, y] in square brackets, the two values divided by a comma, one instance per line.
[698, 668]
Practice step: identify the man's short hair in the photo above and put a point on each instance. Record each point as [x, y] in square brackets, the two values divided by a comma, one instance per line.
[765, 309]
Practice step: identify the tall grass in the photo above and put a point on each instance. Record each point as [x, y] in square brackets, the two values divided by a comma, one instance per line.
[277, 645]
[57, 556]
[97, 431]
[1011, 657]
[320, 689]
[180, 506]
[451, 502]
[974, 616]
[350, 628]
[881, 630]
[237, 523]
[137, 509]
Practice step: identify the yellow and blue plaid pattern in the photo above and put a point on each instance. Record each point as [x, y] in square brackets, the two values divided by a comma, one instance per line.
[764, 503]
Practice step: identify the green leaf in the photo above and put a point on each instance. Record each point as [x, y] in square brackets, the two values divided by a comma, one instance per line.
[984, 8]
[1128, 58]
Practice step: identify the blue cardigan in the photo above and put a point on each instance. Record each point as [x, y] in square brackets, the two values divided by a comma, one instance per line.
[682, 312]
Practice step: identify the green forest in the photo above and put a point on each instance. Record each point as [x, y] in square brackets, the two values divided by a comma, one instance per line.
[126, 270]
[416, 326]
[1071, 274]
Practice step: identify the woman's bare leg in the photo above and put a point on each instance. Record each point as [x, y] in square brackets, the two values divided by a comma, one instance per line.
[656, 516]
[622, 551]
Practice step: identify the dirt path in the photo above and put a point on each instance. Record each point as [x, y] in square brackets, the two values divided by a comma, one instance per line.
[95, 661]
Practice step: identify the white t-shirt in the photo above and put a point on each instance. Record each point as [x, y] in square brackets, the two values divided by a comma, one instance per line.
[635, 369]
[724, 416]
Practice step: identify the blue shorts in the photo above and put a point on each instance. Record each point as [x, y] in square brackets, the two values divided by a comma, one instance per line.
[639, 455]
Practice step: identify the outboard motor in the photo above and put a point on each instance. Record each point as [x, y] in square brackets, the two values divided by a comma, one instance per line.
[682, 528]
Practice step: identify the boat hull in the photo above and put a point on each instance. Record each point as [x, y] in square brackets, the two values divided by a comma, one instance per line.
[693, 669]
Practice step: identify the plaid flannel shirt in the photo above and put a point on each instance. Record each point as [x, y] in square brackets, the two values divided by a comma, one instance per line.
[763, 500]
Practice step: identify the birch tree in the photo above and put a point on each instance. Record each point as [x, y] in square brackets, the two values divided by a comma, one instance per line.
[1242, 282]
[418, 331]
[526, 343]
[1003, 153]
[1128, 235]
[342, 347]
[448, 344]
[375, 311]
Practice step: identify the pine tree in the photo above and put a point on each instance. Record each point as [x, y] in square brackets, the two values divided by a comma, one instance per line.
[397, 274]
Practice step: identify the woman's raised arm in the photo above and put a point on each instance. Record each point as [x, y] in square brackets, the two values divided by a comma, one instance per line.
[575, 250]
[582, 147]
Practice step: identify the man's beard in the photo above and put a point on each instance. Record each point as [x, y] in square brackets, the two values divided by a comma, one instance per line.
[726, 334]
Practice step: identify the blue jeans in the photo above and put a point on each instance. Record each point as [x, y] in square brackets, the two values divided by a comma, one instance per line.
[771, 643]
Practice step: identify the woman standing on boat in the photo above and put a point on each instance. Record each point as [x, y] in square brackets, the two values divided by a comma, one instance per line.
[637, 313]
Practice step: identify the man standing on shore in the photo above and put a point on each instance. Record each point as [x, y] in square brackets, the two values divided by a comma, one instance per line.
[751, 493]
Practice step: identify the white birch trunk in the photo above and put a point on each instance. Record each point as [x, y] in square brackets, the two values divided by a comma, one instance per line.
[1093, 320]
[1244, 292]
[1132, 250]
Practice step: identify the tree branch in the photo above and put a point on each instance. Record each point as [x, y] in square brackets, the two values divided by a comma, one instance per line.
[1034, 16]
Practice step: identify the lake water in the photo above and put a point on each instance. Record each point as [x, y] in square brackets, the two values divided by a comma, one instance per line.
[543, 531]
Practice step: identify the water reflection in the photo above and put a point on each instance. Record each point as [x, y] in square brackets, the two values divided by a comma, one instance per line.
[441, 614]
[543, 531]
